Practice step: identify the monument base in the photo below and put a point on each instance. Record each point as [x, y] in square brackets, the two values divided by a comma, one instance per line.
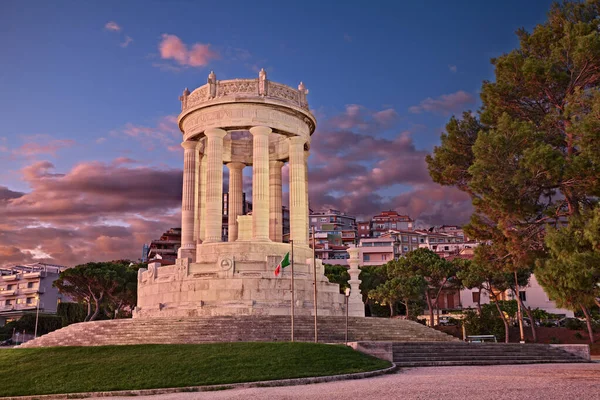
[237, 278]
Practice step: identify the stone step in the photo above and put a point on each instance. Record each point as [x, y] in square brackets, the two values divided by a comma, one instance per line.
[478, 362]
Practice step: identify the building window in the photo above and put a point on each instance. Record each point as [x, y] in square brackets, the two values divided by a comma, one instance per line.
[475, 297]
[314, 220]
[30, 300]
[405, 248]
[8, 302]
[413, 239]
[20, 301]
[523, 296]
[446, 248]
[10, 287]
[366, 257]
[29, 285]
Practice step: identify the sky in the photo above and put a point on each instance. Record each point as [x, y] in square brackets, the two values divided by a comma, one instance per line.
[90, 155]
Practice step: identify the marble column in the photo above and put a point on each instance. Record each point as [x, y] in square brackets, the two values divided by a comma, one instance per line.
[202, 199]
[214, 184]
[306, 155]
[275, 212]
[298, 203]
[260, 183]
[236, 199]
[197, 192]
[188, 246]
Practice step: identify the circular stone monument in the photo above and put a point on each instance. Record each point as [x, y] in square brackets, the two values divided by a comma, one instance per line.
[242, 123]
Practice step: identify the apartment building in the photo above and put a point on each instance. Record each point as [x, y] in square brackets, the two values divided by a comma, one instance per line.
[24, 288]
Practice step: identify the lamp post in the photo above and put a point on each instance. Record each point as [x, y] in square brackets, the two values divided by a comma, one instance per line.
[347, 294]
[37, 315]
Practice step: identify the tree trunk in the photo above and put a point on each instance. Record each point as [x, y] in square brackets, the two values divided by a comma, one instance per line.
[430, 306]
[531, 319]
[506, 332]
[97, 301]
[407, 309]
[519, 309]
[588, 321]
[597, 301]
[89, 310]
[391, 309]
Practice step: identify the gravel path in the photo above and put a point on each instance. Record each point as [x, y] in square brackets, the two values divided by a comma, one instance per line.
[543, 381]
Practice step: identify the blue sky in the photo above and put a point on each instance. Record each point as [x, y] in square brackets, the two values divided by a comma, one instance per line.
[88, 93]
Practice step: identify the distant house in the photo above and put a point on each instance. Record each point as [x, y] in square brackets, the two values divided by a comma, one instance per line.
[24, 288]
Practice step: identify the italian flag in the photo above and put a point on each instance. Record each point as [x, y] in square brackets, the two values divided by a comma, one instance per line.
[285, 261]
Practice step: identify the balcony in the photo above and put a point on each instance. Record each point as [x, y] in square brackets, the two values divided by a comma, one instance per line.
[9, 307]
[10, 292]
[6, 278]
[36, 274]
[33, 290]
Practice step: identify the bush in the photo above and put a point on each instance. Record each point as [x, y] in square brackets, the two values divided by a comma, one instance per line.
[46, 324]
[554, 340]
[578, 335]
[575, 324]
[71, 313]
[488, 323]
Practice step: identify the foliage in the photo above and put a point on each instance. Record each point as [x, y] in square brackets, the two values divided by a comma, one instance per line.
[110, 287]
[574, 324]
[554, 340]
[338, 274]
[571, 272]
[531, 156]
[372, 276]
[403, 284]
[46, 323]
[485, 323]
[83, 369]
[71, 313]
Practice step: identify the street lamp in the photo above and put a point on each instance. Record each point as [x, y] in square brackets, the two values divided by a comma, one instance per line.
[37, 315]
[347, 294]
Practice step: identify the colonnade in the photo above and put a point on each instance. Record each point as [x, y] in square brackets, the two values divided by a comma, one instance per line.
[202, 200]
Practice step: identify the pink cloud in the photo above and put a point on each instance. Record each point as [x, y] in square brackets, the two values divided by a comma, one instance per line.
[165, 132]
[357, 117]
[69, 216]
[112, 26]
[444, 104]
[42, 144]
[171, 47]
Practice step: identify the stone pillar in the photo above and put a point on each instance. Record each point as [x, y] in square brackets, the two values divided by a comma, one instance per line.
[275, 213]
[260, 183]
[202, 200]
[187, 249]
[306, 155]
[298, 203]
[356, 307]
[236, 200]
[197, 194]
[214, 184]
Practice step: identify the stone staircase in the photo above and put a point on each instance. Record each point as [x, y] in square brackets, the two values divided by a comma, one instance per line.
[236, 329]
[421, 354]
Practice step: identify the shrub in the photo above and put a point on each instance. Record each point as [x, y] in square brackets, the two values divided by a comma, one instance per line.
[578, 335]
[554, 340]
[488, 323]
[575, 324]
[71, 313]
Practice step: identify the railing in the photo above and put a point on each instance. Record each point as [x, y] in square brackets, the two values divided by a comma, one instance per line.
[244, 87]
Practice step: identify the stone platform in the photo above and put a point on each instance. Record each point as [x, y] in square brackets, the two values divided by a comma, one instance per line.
[237, 278]
[236, 329]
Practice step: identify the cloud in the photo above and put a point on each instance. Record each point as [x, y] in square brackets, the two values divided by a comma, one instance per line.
[42, 144]
[452, 68]
[444, 104]
[112, 26]
[165, 133]
[69, 218]
[128, 40]
[171, 47]
[357, 117]
[362, 172]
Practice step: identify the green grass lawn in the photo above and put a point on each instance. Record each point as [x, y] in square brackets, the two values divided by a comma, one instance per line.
[90, 369]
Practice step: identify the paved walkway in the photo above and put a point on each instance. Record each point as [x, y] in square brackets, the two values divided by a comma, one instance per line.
[542, 381]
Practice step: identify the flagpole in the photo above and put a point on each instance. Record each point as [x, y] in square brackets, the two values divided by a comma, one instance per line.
[315, 281]
[292, 289]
